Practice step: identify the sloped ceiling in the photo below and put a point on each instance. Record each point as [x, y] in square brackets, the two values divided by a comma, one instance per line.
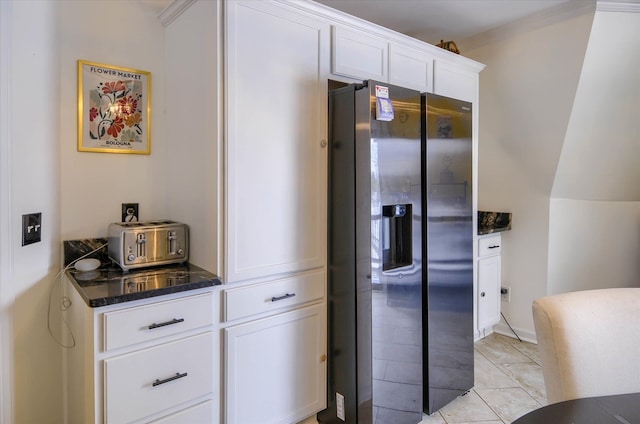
[600, 158]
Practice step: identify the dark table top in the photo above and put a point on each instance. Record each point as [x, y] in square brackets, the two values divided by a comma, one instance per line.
[109, 285]
[616, 409]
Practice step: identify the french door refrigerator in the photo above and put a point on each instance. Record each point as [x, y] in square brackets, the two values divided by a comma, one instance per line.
[400, 279]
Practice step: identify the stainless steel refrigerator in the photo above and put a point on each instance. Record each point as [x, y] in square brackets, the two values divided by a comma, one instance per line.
[400, 281]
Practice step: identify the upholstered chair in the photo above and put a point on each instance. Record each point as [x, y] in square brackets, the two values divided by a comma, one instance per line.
[589, 342]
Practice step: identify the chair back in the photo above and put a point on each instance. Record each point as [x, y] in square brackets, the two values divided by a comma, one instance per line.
[589, 342]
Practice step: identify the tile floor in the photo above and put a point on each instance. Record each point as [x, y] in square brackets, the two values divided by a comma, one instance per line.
[508, 384]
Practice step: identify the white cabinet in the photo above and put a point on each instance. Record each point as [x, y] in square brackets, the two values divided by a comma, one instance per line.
[276, 367]
[410, 68]
[275, 349]
[488, 295]
[453, 80]
[358, 55]
[151, 360]
[276, 105]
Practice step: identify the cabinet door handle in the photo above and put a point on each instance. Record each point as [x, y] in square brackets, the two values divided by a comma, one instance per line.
[494, 246]
[166, 380]
[483, 294]
[163, 324]
[286, 296]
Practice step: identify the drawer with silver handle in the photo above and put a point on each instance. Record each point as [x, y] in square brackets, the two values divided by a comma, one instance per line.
[254, 299]
[150, 380]
[126, 327]
[489, 246]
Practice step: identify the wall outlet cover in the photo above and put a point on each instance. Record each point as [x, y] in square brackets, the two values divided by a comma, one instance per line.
[130, 212]
[31, 228]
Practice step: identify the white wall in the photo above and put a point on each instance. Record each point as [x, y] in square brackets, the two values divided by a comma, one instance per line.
[78, 194]
[600, 155]
[94, 185]
[34, 101]
[526, 96]
[593, 244]
[594, 233]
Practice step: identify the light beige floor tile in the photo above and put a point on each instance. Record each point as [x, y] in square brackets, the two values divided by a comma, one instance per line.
[483, 422]
[509, 404]
[434, 418]
[499, 350]
[489, 376]
[468, 408]
[529, 349]
[529, 377]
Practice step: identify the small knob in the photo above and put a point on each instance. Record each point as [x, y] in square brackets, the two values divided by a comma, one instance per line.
[180, 251]
[131, 257]
[323, 358]
[323, 143]
[482, 294]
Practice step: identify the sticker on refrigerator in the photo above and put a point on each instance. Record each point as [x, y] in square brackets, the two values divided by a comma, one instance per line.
[384, 106]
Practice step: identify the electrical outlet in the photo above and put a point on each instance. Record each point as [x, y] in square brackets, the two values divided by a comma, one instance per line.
[130, 212]
[505, 293]
[340, 406]
[31, 228]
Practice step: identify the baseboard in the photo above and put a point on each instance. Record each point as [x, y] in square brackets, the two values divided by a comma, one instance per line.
[527, 336]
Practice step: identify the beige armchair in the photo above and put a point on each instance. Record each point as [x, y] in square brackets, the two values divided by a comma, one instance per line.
[589, 342]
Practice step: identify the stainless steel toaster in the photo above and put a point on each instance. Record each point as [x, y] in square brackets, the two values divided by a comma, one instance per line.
[148, 243]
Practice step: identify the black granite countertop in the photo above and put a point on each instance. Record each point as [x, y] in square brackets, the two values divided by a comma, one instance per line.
[109, 285]
[493, 222]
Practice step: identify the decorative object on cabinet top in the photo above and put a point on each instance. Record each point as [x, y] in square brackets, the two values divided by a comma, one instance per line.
[493, 222]
[109, 285]
[448, 45]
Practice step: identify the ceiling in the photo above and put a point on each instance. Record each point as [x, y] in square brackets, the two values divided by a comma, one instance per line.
[448, 20]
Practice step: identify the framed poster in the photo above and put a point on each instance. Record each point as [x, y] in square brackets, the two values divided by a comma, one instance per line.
[114, 109]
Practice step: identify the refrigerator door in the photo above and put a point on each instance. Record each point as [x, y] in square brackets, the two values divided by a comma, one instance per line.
[448, 332]
[396, 252]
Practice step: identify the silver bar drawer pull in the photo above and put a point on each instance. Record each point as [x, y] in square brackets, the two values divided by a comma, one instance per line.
[286, 296]
[163, 324]
[166, 380]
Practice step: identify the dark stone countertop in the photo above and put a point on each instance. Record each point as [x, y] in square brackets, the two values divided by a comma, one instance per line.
[109, 285]
[493, 222]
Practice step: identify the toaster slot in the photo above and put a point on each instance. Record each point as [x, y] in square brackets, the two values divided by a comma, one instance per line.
[141, 243]
[173, 242]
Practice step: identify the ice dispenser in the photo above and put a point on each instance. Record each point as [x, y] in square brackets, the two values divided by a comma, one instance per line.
[396, 236]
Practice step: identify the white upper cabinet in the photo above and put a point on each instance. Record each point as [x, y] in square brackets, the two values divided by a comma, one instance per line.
[276, 157]
[453, 80]
[410, 68]
[358, 55]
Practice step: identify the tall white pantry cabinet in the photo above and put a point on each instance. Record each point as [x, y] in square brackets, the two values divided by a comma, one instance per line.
[248, 131]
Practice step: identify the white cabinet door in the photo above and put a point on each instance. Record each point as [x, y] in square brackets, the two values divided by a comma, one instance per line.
[410, 68]
[453, 80]
[276, 368]
[276, 103]
[359, 55]
[488, 292]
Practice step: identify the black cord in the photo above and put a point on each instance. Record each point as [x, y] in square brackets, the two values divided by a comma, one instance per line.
[511, 328]
[65, 302]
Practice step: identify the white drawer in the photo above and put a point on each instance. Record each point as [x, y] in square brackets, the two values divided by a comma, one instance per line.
[201, 413]
[134, 325]
[150, 380]
[489, 246]
[258, 298]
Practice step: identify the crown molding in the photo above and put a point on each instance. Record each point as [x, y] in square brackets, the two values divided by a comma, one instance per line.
[559, 13]
[175, 9]
[629, 6]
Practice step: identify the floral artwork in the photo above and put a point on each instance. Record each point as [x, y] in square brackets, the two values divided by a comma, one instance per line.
[113, 109]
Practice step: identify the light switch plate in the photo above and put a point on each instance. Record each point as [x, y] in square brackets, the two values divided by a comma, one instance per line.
[31, 228]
